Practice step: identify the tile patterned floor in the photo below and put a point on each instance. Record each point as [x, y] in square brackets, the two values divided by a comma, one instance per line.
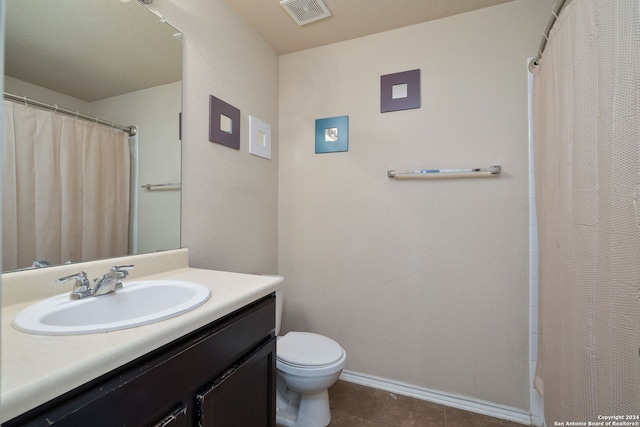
[354, 405]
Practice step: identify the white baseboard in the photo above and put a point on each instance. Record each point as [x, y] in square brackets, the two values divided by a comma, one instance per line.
[447, 399]
[537, 420]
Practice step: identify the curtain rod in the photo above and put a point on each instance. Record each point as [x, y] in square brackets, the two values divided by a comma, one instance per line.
[131, 130]
[535, 62]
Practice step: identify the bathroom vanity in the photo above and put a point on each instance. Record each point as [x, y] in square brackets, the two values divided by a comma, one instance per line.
[214, 365]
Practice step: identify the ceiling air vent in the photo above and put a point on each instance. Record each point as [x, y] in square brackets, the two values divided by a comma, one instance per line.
[306, 11]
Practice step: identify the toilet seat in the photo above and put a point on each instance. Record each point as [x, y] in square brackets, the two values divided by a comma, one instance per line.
[311, 371]
[308, 350]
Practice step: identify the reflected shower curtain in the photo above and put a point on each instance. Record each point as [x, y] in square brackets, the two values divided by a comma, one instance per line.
[587, 161]
[65, 188]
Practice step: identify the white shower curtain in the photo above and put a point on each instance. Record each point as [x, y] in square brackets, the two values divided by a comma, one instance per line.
[65, 188]
[587, 161]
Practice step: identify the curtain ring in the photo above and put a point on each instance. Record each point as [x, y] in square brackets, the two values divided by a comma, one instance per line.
[26, 104]
[56, 109]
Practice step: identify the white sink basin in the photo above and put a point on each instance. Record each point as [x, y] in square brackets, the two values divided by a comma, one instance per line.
[136, 304]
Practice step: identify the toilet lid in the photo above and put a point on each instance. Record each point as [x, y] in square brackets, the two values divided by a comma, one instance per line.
[308, 349]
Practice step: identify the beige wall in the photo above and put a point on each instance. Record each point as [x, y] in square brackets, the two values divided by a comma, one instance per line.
[423, 282]
[229, 200]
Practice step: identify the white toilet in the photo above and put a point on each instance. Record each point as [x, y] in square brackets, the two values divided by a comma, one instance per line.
[308, 364]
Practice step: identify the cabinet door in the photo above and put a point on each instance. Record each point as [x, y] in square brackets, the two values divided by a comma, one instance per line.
[245, 395]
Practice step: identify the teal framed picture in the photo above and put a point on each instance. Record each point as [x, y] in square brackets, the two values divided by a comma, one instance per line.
[332, 134]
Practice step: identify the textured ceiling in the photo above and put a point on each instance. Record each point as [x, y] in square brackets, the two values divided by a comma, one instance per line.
[90, 49]
[96, 49]
[350, 19]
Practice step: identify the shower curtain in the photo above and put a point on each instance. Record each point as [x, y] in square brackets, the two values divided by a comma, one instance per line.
[587, 171]
[65, 188]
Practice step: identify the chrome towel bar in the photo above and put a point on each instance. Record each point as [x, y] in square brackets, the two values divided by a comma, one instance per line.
[169, 186]
[493, 171]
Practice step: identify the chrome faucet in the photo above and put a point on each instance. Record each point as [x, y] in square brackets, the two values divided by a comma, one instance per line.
[110, 282]
[41, 264]
[81, 288]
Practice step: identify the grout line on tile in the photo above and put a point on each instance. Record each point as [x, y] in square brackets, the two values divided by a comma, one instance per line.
[385, 406]
[444, 416]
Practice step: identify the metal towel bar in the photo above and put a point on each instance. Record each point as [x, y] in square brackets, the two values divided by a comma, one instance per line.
[168, 186]
[493, 171]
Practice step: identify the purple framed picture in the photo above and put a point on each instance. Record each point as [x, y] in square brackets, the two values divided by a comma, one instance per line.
[224, 123]
[400, 91]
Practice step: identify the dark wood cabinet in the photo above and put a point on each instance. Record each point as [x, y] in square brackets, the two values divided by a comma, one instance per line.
[243, 396]
[222, 374]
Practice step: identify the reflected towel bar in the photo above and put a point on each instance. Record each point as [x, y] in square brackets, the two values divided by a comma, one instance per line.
[493, 171]
[156, 187]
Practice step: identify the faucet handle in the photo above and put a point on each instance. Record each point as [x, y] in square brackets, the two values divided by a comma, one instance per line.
[79, 277]
[121, 272]
[124, 269]
[81, 287]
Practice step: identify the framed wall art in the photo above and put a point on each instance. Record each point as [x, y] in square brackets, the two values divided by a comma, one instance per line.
[259, 138]
[224, 123]
[400, 91]
[332, 134]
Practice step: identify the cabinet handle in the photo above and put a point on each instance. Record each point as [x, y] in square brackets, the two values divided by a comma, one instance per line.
[172, 417]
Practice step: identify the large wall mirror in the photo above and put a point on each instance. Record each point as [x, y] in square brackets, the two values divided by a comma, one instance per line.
[113, 60]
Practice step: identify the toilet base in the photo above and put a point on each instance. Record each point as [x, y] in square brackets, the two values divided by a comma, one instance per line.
[296, 410]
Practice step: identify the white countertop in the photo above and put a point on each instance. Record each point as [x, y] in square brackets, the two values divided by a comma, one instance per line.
[36, 369]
